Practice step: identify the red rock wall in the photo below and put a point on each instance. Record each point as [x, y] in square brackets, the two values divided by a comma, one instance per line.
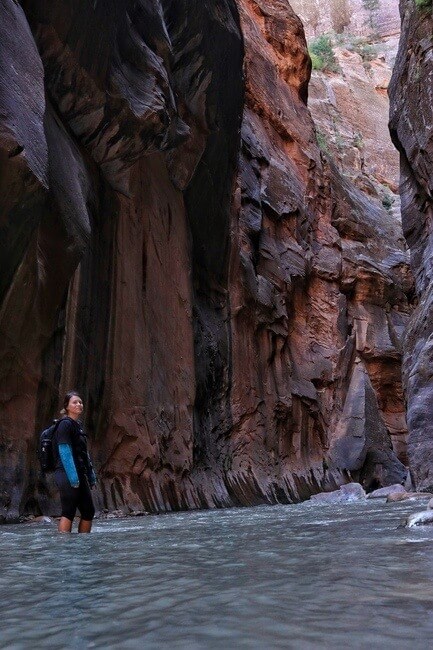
[321, 306]
[411, 129]
[175, 246]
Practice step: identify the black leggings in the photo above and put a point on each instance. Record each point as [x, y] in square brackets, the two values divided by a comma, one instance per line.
[73, 498]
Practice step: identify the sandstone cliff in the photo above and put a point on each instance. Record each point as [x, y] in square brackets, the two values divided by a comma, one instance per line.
[371, 18]
[350, 109]
[174, 245]
[411, 128]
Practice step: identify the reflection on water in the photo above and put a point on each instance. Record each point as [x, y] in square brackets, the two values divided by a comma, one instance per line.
[304, 576]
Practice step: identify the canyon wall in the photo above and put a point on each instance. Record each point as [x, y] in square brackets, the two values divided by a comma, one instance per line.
[350, 108]
[367, 18]
[411, 124]
[175, 246]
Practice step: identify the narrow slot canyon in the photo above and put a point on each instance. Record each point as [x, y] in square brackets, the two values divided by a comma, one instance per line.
[202, 236]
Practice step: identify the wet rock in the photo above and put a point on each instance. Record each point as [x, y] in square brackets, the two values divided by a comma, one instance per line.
[346, 494]
[423, 518]
[407, 496]
[384, 492]
[115, 514]
[394, 497]
[42, 520]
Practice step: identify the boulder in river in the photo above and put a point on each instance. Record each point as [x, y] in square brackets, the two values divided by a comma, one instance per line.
[346, 494]
[407, 496]
[384, 492]
[41, 520]
[423, 518]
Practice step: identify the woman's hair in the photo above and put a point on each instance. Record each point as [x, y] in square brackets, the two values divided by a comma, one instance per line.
[71, 393]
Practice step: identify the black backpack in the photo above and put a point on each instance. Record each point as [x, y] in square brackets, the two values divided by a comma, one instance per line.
[46, 448]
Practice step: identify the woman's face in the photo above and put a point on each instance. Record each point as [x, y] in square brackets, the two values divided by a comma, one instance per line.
[75, 406]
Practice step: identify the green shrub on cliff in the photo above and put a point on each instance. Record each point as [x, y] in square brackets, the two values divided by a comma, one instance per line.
[366, 50]
[387, 201]
[424, 4]
[322, 141]
[316, 61]
[322, 54]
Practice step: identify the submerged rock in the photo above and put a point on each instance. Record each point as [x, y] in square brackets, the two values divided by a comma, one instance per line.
[384, 492]
[346, 494]
[407, 496]
[423, 518]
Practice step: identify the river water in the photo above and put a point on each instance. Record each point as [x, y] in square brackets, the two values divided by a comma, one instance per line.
[301, 576]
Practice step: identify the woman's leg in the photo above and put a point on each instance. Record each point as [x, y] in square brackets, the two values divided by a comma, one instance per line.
[84, 526]
[68, 498]
[85, 506]
[65, 525]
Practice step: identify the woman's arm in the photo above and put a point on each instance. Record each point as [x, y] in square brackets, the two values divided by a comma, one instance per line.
[65, 453]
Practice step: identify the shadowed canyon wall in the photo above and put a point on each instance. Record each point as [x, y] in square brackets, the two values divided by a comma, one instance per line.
[175, 246]
[411, 125]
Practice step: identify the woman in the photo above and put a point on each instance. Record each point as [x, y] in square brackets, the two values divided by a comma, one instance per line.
[74, 471]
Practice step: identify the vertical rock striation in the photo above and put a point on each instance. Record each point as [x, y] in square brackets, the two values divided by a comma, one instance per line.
[175, 246]
[319, 286]
[411, 124]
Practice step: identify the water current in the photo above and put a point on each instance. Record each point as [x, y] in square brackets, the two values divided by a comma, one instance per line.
[301, 576]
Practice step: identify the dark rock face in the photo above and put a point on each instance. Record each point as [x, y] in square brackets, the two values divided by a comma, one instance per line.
[411, 129]
[174, 245]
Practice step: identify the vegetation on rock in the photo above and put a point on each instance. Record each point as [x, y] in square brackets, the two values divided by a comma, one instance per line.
[322, 54]
[423, 4]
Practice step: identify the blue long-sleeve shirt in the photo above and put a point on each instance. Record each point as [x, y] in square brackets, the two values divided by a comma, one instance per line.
[65, 453]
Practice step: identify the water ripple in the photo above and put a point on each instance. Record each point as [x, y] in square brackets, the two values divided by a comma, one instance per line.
[303, 576]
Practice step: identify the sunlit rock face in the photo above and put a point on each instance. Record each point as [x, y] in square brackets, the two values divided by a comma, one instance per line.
[365, 18]
[350, 109]
[175, 246]
[411, 95]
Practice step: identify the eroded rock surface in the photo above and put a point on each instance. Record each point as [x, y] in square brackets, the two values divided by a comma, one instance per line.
[362, 17]
[412, 130]
[177, 248]
[350, 108]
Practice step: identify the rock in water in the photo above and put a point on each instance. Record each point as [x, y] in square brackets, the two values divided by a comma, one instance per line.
[407, 496]
[346, 494]
[395, 497]
[384, 492]
[423, 518]
[42, 520]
